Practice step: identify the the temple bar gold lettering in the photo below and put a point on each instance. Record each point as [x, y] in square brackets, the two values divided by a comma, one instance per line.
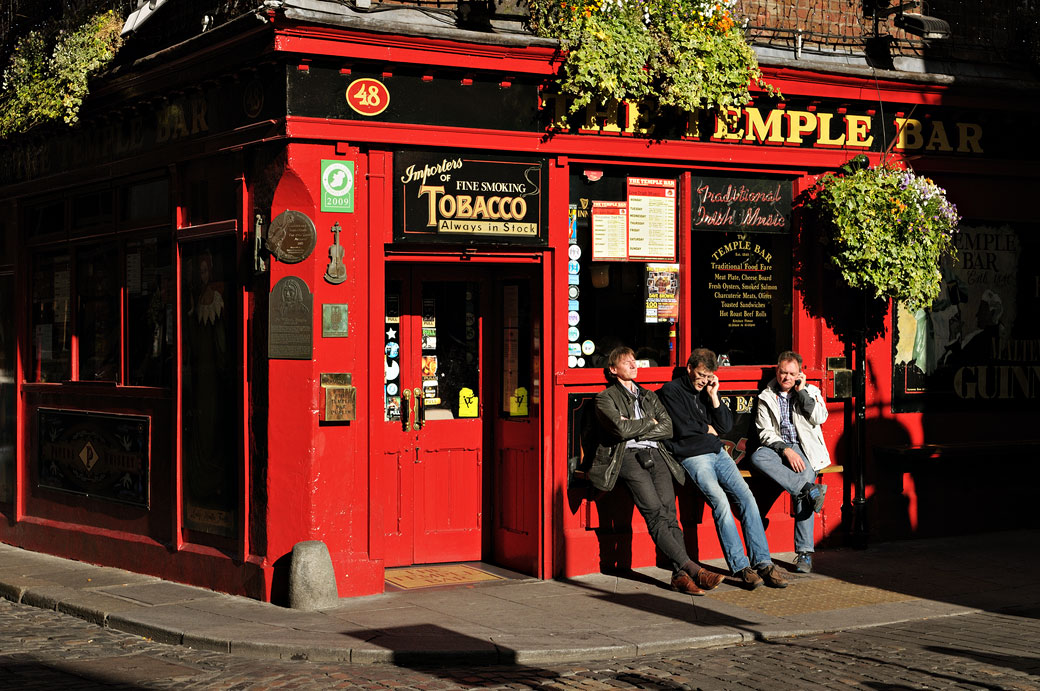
[793, 127]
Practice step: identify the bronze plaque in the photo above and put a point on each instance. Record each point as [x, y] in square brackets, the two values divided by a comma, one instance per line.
[290, 319]
[340, 404]
[292, 236]
[334, 321]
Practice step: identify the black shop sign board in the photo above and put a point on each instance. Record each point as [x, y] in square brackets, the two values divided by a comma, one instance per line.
[468, 199]
[741, 204]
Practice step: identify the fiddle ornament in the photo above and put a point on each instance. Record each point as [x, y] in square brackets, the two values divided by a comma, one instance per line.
[336, 272]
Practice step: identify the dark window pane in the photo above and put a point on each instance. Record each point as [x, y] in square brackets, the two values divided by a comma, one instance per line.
[208, 401]
[51, 319]
[92, 209]
[450, 348]
[99, 317]
[146, 201]
[150, 319]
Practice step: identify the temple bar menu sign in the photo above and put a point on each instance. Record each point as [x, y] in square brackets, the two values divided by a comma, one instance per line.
[640, 228]
[742, 294]
[462, 198]
[759, 205]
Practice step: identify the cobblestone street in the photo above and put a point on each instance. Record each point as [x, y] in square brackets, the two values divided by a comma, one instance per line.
[47, 650]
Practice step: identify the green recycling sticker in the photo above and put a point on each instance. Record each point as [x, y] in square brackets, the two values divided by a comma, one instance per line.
[337, 186]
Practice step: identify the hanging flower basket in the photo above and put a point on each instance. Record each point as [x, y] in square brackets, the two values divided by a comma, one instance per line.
[885, 230]
[686, 54]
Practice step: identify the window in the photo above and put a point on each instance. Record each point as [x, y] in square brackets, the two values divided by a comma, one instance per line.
[623, 278]
[102, 290]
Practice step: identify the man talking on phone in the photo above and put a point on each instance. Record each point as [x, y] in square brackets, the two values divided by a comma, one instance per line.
[789, 421]
[699, 416]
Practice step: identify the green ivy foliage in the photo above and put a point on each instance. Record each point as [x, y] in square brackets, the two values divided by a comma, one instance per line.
[886, 230]
[686, 54]
[46, 81]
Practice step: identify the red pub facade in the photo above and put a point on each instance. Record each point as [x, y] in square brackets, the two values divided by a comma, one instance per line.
[329, 277]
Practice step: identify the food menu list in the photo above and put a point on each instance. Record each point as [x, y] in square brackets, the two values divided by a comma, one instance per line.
[640, 228]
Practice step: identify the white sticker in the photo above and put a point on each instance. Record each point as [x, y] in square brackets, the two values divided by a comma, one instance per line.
[588, 347]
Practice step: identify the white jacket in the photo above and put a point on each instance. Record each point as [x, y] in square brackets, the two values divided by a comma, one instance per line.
[809, 427]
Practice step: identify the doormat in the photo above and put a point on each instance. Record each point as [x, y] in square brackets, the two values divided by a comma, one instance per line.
[432, 576]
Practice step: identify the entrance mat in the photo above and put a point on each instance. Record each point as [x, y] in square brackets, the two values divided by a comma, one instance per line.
[412, 577]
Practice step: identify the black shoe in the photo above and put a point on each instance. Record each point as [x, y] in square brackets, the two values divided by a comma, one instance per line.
[816, 495]
[803, 562]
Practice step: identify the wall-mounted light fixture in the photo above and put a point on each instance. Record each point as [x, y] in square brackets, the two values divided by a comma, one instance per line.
[928, 28]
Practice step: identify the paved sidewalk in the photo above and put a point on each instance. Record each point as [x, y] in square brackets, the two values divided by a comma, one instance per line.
[538, 622]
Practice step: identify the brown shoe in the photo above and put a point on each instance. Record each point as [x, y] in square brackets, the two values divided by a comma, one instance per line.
[684, 584]
[773, 577]
[707, 580]
[748, 578]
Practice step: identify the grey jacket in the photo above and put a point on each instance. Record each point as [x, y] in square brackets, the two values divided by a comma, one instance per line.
[615, 412]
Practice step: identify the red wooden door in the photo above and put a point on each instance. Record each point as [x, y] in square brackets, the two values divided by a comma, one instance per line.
[434, 420]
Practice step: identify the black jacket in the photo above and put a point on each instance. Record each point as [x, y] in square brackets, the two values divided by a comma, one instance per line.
[691, 412]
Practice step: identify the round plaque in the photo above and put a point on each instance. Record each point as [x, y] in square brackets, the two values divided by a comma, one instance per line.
[291, 237]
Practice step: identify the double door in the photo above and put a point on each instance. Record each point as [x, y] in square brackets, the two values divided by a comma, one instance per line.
[460, 415]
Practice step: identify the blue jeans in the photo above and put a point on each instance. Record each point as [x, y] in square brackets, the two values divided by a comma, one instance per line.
[716, 475]
[774, 466]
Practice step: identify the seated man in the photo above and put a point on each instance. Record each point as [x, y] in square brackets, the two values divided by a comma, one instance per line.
[698, 417]
[789, 418]
[632, 422]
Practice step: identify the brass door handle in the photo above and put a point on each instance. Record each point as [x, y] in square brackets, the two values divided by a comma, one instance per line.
[420, 404]
[406, 397]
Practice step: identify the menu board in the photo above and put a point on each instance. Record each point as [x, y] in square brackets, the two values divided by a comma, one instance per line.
[609, 231]
[742, 294]
[651, 219]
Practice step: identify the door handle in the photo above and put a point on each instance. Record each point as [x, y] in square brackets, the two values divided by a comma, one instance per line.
[420, 404]
[406, 397]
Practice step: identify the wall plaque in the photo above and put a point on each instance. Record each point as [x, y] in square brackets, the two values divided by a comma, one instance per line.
[291, 237]
[96, 454]
[290, 318]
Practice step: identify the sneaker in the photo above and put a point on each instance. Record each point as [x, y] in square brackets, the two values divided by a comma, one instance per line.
[773, 577]
[749, 578]
[707, 580]
[682, 583]
[816, 496]
[803, 562]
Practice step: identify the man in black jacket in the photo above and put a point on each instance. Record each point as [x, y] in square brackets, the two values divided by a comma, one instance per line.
[699, 416]
[632, 422]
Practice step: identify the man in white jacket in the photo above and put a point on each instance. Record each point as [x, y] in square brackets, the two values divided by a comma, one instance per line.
[789, 418]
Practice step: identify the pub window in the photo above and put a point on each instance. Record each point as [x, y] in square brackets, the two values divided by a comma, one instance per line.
[741, 267]
[102, 304]
[623, 275]
[98, 314]
[518, 359]
[51, 319]
[208, 366]
[210, 189]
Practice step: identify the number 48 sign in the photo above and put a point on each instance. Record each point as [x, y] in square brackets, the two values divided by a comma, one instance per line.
[368, 96]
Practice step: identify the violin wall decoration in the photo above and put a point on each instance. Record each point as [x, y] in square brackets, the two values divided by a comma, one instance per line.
[336, 272]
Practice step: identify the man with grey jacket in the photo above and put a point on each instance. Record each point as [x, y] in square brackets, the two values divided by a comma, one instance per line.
[789, 420]
[632, 421]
